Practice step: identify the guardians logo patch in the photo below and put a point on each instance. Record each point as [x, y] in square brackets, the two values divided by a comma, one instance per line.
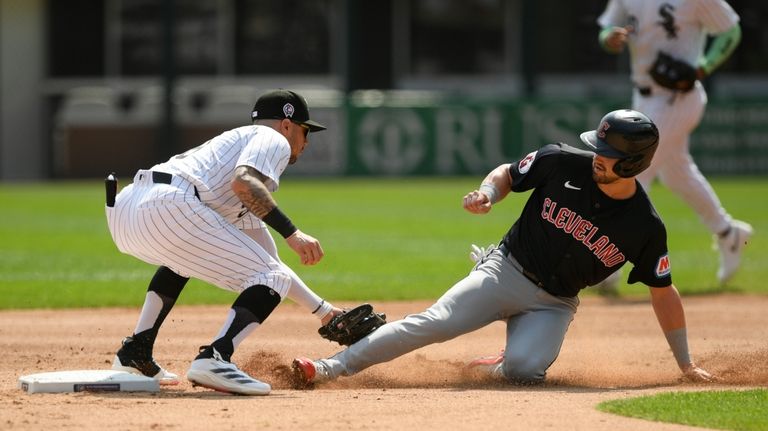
[524, 165]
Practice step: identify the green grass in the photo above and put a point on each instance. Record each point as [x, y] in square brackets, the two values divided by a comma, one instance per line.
[383, 239]
[728, 410]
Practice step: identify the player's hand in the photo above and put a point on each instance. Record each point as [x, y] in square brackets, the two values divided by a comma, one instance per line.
[698, 374]
[307, 247]
[617, 39]
[478, 253]
[477, 202]
[335, 311]
[700, 73]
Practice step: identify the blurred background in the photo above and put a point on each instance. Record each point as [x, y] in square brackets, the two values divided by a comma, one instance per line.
[407, 87]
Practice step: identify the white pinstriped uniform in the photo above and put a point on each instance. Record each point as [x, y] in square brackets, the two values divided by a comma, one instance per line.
[675, 114]
[206, 238]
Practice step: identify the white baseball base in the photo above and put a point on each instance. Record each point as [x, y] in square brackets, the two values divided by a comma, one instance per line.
[87, 380]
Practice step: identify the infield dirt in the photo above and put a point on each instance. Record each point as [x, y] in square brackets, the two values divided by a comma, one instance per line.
[612, 350]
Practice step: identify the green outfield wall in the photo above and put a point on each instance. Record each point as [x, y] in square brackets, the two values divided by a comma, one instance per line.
[454, 136]
[374, 133]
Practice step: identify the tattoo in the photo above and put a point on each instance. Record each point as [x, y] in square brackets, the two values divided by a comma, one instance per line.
[255, 196]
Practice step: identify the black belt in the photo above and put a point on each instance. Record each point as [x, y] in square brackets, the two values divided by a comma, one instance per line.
[157, 177]
[166, 178]
[161, 177]
[110, 184]
[528, 274]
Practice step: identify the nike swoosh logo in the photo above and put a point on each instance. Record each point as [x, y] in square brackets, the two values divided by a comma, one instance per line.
[569, 186]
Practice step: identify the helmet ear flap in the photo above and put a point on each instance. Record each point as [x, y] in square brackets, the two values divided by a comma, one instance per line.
[631, 166]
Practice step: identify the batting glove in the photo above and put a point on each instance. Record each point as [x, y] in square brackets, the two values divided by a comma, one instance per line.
[478, 253]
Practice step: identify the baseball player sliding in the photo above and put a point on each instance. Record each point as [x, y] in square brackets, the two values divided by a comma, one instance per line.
[204, 214]
[586, 217]
[666, 42]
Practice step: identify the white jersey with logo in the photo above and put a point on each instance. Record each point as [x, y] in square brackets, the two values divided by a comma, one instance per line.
[192, 222]
[677, 27]
[209, 167]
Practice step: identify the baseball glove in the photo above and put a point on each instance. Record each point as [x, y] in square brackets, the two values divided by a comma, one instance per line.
[352, 325]
[671, 73]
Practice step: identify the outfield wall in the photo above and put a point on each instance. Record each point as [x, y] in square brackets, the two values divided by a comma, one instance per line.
[452, 137]
[408, 133]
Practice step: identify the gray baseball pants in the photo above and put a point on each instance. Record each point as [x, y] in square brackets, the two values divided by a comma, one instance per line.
[495, 290]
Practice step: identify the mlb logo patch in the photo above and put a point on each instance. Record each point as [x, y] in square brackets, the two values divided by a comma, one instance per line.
[526, 163]
[663, 267]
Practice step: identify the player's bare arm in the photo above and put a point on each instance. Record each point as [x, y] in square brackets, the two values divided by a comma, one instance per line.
[495, 187]
[248, 185]
[669, 312]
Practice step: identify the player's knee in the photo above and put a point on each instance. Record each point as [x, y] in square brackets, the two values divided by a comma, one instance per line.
[280, 281]
[260, 300]
[276, 278]
[522, 369]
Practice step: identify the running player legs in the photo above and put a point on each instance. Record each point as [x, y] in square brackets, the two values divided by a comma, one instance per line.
[673, 163]
[494, 291]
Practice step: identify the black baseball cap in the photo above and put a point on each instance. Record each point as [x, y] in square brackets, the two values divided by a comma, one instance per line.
[279, 104]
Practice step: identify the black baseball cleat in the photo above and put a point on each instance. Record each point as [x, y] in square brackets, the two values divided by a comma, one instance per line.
[136, 358]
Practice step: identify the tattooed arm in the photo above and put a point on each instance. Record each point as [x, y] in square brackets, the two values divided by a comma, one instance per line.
[248, 185]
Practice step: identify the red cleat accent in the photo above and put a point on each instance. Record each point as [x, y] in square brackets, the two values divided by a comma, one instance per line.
[303, 373]
[486, 363]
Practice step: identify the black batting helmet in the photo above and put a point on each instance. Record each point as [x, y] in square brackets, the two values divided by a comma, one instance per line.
[626, 135]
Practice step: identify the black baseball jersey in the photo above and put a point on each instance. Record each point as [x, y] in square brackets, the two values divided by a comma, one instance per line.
[571, 235]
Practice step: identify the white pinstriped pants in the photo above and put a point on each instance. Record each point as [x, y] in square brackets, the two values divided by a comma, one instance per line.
[677, 116]
[166, 224]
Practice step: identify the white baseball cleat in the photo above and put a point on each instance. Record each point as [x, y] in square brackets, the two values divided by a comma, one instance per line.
[217, 374]
[731, 246]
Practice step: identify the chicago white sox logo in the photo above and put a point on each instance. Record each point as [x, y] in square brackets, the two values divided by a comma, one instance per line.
[668, 20]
